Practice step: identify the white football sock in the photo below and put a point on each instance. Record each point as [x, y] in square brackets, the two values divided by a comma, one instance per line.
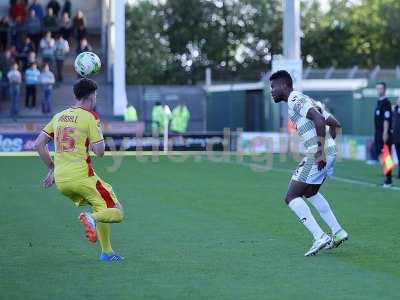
[303, 212]
[325, 211]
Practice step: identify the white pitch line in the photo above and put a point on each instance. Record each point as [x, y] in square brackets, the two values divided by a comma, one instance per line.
[337, 178]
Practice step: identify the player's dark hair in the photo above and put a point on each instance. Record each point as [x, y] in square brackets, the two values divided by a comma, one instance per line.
[284, 76]
[84, 87]
[382, 83]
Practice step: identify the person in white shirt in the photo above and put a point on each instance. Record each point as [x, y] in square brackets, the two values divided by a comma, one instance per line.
[14, 78]
[61, 52]
[320, 155]
[47, 80]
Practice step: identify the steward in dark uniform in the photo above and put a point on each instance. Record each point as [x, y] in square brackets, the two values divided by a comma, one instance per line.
[396, 131]
[383, 135]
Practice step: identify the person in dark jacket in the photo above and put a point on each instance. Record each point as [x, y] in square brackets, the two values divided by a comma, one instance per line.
[55, 6]
[67, 7]
[4, 26]
[396, 131]
[383, 125]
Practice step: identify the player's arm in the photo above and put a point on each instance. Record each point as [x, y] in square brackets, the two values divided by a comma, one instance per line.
[99, 148]
[385, 136]
[41, 147]
[96, 136]
[387, 116]
[333, 124]
[319, 121]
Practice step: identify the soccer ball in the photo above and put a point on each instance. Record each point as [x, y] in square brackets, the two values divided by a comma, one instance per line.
[87, 63]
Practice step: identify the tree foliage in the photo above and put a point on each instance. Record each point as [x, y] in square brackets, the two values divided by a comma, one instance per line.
[174, 41]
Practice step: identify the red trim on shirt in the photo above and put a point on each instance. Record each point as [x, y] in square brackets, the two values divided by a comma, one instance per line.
[89, 159]
[98, 141]
[94, 114]
[105, 195]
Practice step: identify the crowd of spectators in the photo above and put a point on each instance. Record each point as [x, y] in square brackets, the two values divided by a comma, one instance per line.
[34, 43]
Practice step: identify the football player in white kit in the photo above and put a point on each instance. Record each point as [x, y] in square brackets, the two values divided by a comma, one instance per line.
[320, 154]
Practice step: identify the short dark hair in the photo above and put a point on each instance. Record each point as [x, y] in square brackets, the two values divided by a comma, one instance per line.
[84, 87]
[284, 76]
[382, 83]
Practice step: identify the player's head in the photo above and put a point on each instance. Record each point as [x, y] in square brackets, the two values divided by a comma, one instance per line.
[281, 85]
[381, 88]
[85, 90]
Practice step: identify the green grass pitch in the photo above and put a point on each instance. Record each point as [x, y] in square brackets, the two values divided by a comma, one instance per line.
[197, 229]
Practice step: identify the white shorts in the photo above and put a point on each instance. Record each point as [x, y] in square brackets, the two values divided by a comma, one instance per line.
[307, 171]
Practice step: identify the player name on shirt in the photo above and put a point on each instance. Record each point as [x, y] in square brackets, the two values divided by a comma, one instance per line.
[66, 118]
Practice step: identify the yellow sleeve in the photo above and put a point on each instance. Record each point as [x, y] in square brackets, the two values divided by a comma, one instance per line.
[49, 129]
[95, 132]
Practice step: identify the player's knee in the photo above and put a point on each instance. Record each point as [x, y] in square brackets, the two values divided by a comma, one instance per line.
[121, 212]
[288, 198]
[311, 194]
[121, 218]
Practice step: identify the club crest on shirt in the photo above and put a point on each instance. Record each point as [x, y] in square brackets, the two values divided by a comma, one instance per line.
[298, 106]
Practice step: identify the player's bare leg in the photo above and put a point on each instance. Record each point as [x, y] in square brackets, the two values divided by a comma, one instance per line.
[296, 203]
[339, 235]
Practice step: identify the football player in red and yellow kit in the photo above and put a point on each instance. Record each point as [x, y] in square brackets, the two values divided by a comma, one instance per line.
[74, 131]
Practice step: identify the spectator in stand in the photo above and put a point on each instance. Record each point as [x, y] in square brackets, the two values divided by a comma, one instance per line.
[47, 80]
[47, 48]
[13, 53]
[66, 27]
[79, 26]
[84, 46]
[67, 8]
[4, 27]
[17, 31]
[18, 10]
[14, 79]
[38, 8]
[34, 28]
[32, 58]
[27, 48]
[6, 62]
[32, 79]
[55, 6]
[61, 52]
[50, 21]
